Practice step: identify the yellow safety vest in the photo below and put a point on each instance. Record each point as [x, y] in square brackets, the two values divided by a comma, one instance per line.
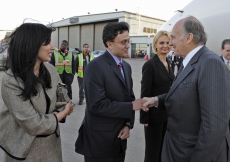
[80, 64]
[62, 64]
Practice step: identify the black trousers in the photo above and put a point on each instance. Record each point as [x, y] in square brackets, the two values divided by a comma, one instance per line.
[68, 80]
[81, 88]
[154, 137]
[119, 158]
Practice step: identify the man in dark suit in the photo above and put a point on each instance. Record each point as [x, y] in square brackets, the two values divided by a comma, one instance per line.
[198, 102]
[225, 49]
[109, 100]
[176, 62]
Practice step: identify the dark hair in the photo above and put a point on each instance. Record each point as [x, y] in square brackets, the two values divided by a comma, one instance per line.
[112, 29]
[65, 41]
[194, 26]
[24, 45]
[85, 44]
[226, 41]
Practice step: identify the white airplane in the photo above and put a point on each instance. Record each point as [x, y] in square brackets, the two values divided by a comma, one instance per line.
[213, 14]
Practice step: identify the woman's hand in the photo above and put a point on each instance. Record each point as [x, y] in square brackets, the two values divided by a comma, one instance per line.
[67, 111]
[69, 108]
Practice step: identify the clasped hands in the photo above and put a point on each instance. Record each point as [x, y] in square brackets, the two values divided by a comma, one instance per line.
[145, 103]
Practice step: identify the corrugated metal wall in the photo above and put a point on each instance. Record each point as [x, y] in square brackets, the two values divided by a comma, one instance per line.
[77, 35]
[98, 43]
[74, 36]
[63, 35]
[54, 38]
[87, 35]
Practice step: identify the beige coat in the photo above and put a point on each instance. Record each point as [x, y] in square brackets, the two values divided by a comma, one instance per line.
[21, 122]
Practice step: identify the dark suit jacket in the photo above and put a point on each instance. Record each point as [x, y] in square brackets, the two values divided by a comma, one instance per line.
[178, 59]
[108, 108]
[222, 58]
[156, 80]
[198, 106]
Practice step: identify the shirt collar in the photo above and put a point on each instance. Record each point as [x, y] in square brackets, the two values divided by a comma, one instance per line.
[114, 57]
[225, 60]
[190, 55]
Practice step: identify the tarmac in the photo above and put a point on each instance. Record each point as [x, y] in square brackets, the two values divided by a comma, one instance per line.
[69, 130]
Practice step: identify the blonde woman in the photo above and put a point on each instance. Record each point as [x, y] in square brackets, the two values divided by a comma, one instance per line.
[157, 77]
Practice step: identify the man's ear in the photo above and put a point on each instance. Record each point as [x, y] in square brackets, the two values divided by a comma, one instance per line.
[109, 44]
[189, 38]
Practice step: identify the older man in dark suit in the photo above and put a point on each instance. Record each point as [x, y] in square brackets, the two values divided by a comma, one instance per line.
[110, 101]
[198, 102]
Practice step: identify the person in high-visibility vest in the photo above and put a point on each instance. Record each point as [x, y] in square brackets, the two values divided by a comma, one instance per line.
[64, 62]
[81, 62]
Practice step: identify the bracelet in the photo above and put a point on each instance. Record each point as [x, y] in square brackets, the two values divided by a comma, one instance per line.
[127, 126]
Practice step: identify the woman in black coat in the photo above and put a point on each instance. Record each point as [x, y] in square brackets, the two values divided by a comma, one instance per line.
[157, 77]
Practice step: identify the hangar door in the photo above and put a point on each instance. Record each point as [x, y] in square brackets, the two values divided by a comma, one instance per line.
[74, 37]
[87, 35]
[63, 35]
[98, 43]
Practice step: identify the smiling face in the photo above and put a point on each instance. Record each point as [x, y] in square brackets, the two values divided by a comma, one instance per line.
[45, 52]
[64, 46]
[86, 48]
[120, 45]
[162, 45]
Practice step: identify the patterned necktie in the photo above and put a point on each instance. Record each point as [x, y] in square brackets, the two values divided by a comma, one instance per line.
[228, 65]
[120, 67]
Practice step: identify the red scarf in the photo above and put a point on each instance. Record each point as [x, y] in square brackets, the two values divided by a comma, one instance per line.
[64, 51]
[86, 54]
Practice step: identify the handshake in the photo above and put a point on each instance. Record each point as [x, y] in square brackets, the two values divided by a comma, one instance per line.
[145, 103]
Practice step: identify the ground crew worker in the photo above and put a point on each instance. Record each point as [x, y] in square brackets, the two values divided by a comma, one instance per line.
[64, 62]
[81, 61]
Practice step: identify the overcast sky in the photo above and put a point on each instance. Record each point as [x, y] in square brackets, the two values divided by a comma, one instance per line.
[13, 12]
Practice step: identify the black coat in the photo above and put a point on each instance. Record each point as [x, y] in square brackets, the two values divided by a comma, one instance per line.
[156, 80]
[176, 59]
[108, 107]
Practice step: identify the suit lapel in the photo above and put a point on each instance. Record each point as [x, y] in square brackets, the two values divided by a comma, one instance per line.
[115, 68]
[126, 72]
[187, 70]
[162, 67]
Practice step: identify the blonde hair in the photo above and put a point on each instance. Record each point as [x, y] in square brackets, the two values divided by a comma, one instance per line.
[157, 36]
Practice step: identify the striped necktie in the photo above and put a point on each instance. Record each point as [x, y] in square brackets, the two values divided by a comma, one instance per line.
[228, 65]
[120, 67]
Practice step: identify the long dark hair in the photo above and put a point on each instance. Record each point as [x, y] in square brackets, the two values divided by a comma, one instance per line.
[24, 44]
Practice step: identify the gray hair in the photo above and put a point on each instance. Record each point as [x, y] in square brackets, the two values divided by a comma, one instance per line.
[194, 26]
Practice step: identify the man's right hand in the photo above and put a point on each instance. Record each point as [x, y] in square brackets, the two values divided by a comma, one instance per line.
[138, 105]
[150, 102]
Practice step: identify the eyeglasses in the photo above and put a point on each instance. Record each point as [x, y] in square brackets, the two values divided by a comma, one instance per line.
[125, 42]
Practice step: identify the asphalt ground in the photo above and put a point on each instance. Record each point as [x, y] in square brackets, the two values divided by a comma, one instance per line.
[69, 130]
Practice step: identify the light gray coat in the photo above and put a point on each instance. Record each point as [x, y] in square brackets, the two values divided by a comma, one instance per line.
[21, 121]
[198, 105]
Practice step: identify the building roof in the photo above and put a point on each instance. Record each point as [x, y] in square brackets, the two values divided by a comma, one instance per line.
[100, 17]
